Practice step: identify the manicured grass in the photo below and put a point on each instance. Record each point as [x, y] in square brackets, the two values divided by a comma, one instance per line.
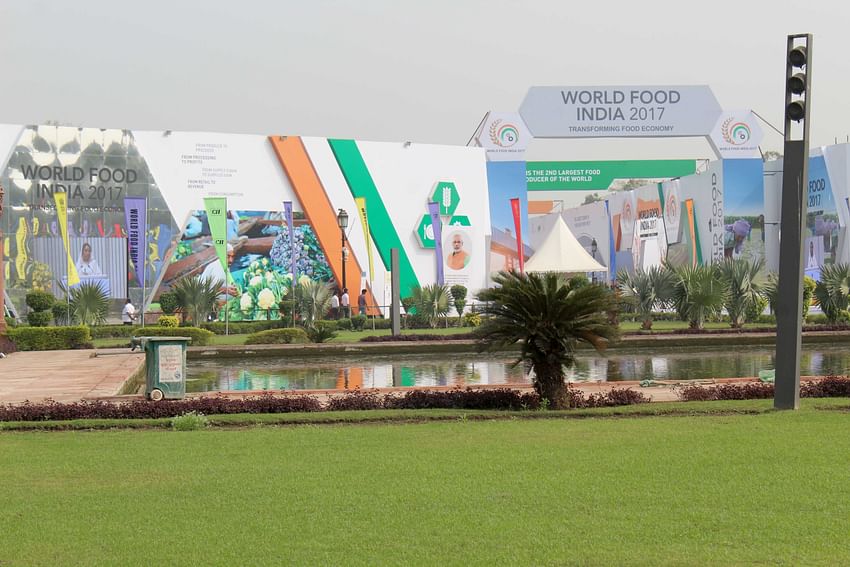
[342, 336]
[765, 488]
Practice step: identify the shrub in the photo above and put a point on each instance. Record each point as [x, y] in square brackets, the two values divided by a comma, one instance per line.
[39, 318]
[459, 296]
[40, 300]
[60, 313]
[200, 337]
[89, 304]
[168, 321]
[319, 332]
[278, 337]
[113, 331]
[431, 302]
[189, 421]
[344, 324]
[829, 387]
[10, 322]
[140, 409]
[333, 325]
[50, 338]
[472, 319]
[358, 322]
[355, 400]
[168, 302]
[197, 296]
[243, 327]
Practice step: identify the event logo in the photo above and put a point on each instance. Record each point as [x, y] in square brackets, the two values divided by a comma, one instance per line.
[671, 208]
[627, 211]
[735, 133]
[505, 135]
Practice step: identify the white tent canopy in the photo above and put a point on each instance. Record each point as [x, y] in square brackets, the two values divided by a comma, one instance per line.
[561, 252]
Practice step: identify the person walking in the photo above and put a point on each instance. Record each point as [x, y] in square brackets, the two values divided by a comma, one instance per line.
[361, 302]
[345, 303]
[128, 314]
[335, 306]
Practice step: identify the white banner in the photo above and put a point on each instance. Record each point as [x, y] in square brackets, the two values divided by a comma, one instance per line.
[736, 135]
[620, 111]
[672, 210]
[504, 135]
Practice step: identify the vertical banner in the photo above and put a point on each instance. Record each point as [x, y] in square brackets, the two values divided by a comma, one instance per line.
[290, 228]
[217, 216]
[612, 252]
[62, 212]
[364, 221]
[135, 213]
[515, 209]
[434, 211]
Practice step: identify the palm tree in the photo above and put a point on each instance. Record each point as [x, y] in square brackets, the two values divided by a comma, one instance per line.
[431, 302]
[89, 304]
[833, 291]
[312, 301]
[547, 316]
[742, 279]
[646, 291]
[197, 296]
[698, 293]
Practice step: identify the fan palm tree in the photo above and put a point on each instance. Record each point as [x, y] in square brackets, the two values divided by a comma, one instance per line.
[312, 301]
[197, 297]
[744, 288]
[548, 317]
[431, 302]
[698, 293]
[89, 304]
[646, 291]
[833, 291]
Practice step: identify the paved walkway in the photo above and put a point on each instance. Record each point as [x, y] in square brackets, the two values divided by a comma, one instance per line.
[66, 375]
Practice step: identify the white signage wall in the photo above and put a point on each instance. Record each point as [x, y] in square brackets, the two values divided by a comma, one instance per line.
[620, 111]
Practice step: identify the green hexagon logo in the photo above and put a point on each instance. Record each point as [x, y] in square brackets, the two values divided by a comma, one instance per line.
[459, 220]
[425, 232]
[447, 196]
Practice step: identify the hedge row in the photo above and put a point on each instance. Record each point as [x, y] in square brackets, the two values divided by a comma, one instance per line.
[138, 409]
[495, 399]
[829, 387]
[418, 337]
[489, 399]
[200, 337]
[278, 337]
[50, 338]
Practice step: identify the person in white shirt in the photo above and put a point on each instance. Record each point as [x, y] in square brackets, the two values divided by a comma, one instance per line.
[334, 306]
[128, 315]
[812, 263]
[344, 301]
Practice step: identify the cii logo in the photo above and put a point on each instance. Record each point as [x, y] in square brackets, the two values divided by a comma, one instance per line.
[735, 133]
[505, 135]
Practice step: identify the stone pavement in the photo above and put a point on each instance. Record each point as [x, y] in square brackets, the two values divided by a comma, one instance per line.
[66, 375]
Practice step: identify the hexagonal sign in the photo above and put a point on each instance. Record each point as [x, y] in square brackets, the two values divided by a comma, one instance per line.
[425, 232]
[459, 220]
[446, 194]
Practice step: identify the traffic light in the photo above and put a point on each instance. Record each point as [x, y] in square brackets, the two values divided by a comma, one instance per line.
[797, 78]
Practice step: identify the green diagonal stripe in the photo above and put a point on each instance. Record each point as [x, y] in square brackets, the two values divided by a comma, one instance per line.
[381, 227]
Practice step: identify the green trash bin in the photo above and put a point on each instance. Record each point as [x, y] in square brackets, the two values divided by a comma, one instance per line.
[165, 362]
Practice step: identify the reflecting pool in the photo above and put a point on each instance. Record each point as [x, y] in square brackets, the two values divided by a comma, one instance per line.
[470, 369]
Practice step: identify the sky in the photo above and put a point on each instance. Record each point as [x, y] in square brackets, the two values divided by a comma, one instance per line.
[395, 70]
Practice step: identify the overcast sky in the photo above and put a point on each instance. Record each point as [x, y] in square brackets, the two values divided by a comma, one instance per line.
[394, 70]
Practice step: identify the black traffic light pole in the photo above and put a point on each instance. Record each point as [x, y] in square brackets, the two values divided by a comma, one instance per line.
[795, 179]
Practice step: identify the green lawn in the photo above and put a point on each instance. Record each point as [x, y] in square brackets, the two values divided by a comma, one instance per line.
[342, 336]
[766, 488]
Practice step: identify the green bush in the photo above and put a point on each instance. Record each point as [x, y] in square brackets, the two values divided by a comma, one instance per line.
[332, 325]
[114, 331]
[472, 319]
[321, 331]
[343, 324]
[60, 313]
[243, 327]
[168, 302]
[278, 337]
[168, 321]
[755, 309]
[358, 322]
[817, 319]
[50, 338]
[39, 318]
[200, 337]
[40, 300]
[10, 322]
[190, 421]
